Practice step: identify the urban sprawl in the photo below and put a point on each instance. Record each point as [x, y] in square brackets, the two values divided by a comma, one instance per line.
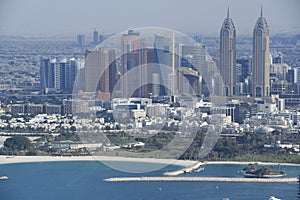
[53, 90]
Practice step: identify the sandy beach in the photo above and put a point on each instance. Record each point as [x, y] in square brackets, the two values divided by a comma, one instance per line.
[24, 159]
[185, 163]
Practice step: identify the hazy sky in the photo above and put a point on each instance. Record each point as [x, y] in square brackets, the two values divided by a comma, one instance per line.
[70, 17]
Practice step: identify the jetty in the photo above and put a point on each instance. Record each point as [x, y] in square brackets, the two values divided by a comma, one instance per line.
[184, 170]
[201, 179]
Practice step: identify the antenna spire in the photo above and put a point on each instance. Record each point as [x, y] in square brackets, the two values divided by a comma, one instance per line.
[261, 12]
[228, 12]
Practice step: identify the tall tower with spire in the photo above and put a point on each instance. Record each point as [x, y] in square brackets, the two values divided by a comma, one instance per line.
[228, 56]
[261, 58]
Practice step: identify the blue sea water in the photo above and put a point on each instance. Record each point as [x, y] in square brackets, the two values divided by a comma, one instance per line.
[83, 180]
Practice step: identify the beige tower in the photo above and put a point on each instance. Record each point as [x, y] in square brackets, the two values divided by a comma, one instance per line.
[99, 72]
[261, 59]
[228, 56]
[134, 74]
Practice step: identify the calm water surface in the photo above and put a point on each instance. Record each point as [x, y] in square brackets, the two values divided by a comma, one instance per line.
[83, 180]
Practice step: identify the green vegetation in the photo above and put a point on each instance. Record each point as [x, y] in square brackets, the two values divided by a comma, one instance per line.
[263, 172]
[18, 145]
[192, 153]
[248, 148]
[119, 138]
[267, 171]
[276, 158]
[158, 141]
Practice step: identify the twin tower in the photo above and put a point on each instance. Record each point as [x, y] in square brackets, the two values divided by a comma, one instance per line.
[260, 57]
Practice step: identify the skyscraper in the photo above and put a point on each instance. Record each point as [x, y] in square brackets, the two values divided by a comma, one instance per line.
[194, 56]
[189, 81]
[228, 56]
[99, 68]
[58, 75]
[95, 37]
[164, 48]
[73, 68]
[261, 58]
[155, 84]
[44, 73]
[80, 40]
[54, 74]
[132, 56]
[64, 76]
[101, 38]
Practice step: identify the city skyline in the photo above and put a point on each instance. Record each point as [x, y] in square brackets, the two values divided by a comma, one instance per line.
[18, 18]
[178, 95]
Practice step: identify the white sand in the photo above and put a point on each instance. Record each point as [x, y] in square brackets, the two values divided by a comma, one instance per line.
[25, 159]
[185, 163]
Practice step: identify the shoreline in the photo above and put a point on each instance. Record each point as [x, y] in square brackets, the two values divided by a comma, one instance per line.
[7, 159]
[31, 159]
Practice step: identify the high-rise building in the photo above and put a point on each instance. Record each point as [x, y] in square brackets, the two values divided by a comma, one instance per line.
[101, 38]
[80, 40]
[261, 59]
[164, 48]
[189, 81]
[59, 75]
[133, 56]
[50, 74]
[64, 76]
[227, 64]
[297, 77]
[54, 74]
[99, 69]
[44, 72]
[238, 73]
[95, 37]
[245, 68]
[155, 84]
[73, 68]
[194, 56]
[198, 38]
[278, 58]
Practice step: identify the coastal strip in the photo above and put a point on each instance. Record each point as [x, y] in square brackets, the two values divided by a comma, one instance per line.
[8, 159]
[30, 159]
[201, 179]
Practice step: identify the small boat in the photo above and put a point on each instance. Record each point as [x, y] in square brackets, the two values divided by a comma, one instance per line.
[200, 169]
[3, 178]
[273, 198]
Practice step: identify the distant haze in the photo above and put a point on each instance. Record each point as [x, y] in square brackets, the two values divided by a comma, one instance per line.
[71, 17]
